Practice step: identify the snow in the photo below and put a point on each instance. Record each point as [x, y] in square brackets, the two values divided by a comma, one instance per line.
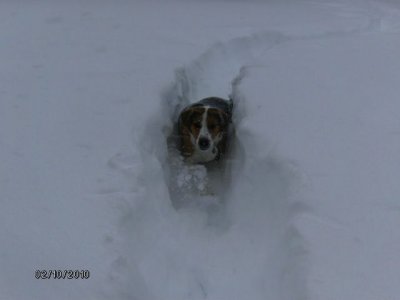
[305, 207]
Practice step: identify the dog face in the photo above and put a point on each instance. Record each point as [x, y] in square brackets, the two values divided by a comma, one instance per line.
[203, 131]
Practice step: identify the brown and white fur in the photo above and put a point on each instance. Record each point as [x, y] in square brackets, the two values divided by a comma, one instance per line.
[203, 129]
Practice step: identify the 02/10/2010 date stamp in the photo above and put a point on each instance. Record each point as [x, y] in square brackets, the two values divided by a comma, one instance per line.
[62, 274]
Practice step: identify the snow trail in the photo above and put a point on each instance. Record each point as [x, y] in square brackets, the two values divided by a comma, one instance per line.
[223, 233]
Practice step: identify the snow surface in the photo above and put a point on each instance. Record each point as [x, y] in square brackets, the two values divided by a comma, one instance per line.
[306, 206]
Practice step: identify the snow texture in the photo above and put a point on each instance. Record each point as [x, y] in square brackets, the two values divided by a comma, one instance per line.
[305, 206]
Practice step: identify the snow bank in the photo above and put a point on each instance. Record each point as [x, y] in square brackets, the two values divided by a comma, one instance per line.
[335, 117]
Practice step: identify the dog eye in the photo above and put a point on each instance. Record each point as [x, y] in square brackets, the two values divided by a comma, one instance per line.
[212, 126]
[197, 125]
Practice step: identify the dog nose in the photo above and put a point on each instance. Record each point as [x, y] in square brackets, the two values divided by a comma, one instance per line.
[204, 143]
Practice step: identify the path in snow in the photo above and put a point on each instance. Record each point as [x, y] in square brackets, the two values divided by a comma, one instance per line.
[238, 243]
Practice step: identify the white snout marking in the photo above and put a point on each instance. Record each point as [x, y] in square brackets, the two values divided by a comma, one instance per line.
[204, 133]
[204, 155]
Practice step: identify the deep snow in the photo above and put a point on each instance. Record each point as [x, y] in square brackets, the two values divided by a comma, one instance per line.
[306, 206]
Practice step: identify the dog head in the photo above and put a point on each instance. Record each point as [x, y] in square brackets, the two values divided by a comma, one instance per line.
[203, 130]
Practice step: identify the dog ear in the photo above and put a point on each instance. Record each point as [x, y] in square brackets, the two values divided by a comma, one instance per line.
[186, 116]
[226, 118]
[223, 117]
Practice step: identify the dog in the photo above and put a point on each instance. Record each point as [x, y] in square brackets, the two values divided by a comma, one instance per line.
[204, 129]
